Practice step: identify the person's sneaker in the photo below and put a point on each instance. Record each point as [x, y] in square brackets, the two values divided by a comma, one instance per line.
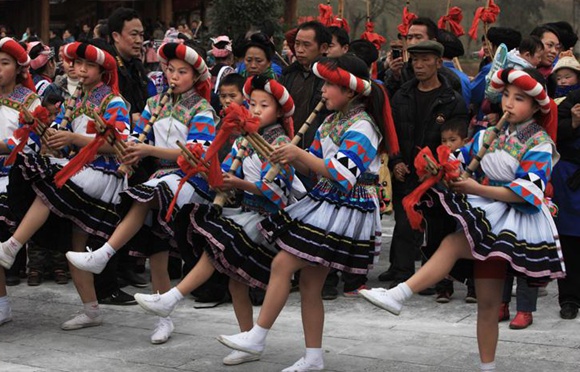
[238, 357]
[156, 304]
[427, 292]
[504, 312]
[12, 280]
[523, 319]
[60, 277]
[6, 257]
[303, 366]
[387, 276]
[163, 330]
[380, 297]
[241, 342]
[329, 292]
[86, 261]
[443, 297]
[5, 314]
[118, 298]
[355, 293]
[34, 278]
[81, 321]
[568, 311]
[470, 297]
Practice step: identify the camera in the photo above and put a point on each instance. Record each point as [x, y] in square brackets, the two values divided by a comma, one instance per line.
[396, 53]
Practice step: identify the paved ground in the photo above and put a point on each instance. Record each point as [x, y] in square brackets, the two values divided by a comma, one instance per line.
[358, 337]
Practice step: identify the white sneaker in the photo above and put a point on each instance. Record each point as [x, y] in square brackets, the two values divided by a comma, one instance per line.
[5, 314]
[380, 297]
[86, 261]
[302, 366]
[156, 304]
[163, 330]
[241, 342]
[81, 321]
[6, 257]
[238, 357]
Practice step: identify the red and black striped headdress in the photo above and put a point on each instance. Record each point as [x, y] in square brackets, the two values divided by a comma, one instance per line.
[94, 54]
[11, 46]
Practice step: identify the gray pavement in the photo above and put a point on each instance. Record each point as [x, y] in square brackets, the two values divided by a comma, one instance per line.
[358, 336]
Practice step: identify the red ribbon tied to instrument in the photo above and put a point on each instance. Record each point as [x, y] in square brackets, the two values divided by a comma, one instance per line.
[196, 150]
[453, 18]
[237, 119]
[325, 15]
[448, 170]
[486, 15]
[372, 36]
[88, 152]
[408, 17]
[22, 134]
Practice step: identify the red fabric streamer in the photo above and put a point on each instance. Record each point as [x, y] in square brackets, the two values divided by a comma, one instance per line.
[325, 15]
[448, 170]
[22, 134]
[372, 36]
[197, 150]
[87, 153]
[408, 17]
[237, 118]
[453, 18]
[342, 23]
[392, 140]
[486, 15]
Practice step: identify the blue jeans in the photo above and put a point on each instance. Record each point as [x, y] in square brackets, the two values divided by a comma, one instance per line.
[526, 296]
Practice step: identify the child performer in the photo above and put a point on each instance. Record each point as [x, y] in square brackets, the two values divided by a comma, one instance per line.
[337, 225]
[503, 221]
[187, 117]
[89, 197]
[234, 244]
[16, 91]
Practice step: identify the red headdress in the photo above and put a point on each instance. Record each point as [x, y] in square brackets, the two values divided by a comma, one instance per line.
[94, 54]
[185, 53]
[10, 46]
[342, 77]
[532, 88]
[488, 14]
[453, 18]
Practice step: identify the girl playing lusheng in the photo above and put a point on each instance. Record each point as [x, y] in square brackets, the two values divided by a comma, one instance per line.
[16, 91]
[234, 244]
[503, 218]
[186, 117]
[337, 225]
[89, 197]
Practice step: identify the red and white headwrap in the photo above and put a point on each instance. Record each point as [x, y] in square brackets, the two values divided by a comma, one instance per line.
[11, 46]
[532, 88]
[42, 58]
[279, 92]
[91, 53]
[343, 78]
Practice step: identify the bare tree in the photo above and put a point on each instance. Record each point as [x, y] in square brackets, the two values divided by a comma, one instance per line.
[357, 16]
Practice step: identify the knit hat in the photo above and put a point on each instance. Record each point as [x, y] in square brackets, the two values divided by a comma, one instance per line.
[222, 46]
[453, 47]
[39, 54]
[91, 53]
[11, 46]
[186, 53]
[567, 62]
[509, 36]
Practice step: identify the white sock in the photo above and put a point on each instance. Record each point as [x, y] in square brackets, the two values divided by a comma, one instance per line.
[174, 294]
[105, 252]
[401, 293]
[258, 334]
[4, 301]
[313, 356]
[487, 367]
[12, 246]
[92, 309]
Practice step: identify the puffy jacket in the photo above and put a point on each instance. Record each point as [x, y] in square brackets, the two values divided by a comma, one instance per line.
[448, 105]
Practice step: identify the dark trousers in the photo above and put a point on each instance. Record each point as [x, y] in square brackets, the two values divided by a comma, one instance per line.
[526, 296]
[351, 281]
[41, 258]
[569, 287]
[405, 244]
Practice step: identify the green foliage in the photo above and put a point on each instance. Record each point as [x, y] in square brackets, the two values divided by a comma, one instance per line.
[236, 17]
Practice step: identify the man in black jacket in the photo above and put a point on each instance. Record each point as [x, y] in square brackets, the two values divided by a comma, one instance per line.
[420, 107]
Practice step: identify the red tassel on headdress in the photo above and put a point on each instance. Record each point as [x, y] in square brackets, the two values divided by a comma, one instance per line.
[197, 150]
[486, 15]
[550, 121]
[88, 153]
[449, 170]
[22, 134]
[408, 17]
[237, 118]
[453, 18]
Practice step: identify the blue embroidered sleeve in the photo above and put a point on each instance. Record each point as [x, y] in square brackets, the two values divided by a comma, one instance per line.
[142, 123]
[278, 191]
[118, 108]
[202, 128]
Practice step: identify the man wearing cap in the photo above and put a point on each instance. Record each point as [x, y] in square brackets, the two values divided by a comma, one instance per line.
[420, 107]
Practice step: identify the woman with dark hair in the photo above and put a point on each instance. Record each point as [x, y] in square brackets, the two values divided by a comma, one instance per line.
[258, 53]
[552, 46]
